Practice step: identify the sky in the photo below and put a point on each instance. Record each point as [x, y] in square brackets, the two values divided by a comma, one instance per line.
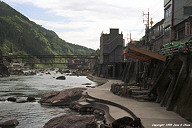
[82, 21]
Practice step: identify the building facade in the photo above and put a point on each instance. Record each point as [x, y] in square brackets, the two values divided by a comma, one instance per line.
[183, 30]
[175, 11]
[111, 47]
[156, 36]
[111, 53]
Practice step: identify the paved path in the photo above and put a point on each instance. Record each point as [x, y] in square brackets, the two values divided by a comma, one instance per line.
[152, 114]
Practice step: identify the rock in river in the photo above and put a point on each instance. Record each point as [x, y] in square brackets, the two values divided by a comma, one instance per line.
[72, 121]
[61, 78]
[62, 98]
[12, 99]
[9, 124]
[30, 99]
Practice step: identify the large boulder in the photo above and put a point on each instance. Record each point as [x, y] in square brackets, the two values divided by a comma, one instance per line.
[72, 121]
[62, 98]
[9, 124]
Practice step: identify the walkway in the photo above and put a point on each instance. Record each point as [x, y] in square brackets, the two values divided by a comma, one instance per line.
[151, 114]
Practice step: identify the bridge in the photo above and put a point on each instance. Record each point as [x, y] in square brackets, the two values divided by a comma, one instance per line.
[50, 59]
[47, 56]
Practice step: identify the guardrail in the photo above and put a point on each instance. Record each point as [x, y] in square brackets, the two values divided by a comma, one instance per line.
[176, 47]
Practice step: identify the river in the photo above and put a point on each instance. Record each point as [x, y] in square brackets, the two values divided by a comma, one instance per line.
[33, 115]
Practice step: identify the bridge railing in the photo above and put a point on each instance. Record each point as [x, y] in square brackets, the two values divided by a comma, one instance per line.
[48, 56]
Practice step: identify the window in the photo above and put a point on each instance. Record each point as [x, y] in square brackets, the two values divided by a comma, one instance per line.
[168, 12]
[187, 10]
[167, 31]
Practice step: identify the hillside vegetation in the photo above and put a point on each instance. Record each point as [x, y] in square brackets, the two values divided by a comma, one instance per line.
[19, 35]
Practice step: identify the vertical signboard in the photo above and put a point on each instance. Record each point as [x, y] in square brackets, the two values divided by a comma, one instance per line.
[187, 28]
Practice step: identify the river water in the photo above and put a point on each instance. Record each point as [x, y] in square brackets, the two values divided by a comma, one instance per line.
[33, 115]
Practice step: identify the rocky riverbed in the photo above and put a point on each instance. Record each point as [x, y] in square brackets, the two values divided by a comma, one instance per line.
[17, 91]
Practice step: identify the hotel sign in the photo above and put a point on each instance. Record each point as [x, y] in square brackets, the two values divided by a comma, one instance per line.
[187, 28]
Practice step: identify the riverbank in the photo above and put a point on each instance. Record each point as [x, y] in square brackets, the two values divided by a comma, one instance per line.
[151, 114]
[101, 98]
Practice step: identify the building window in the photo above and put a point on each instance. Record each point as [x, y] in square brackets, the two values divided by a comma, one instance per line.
[167, 31]
[187, 10]
[167, 12]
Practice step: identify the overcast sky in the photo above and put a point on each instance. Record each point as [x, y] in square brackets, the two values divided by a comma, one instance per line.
[82, 21]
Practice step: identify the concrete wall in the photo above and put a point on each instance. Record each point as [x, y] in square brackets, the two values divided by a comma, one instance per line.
[174, 85]
[179, 10]
[183, 104]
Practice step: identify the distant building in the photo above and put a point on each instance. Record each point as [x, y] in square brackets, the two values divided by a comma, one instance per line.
[111, 52]
[175, 11]
[111, 47]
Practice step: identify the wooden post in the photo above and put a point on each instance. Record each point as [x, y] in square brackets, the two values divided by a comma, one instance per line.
[125, 71]
[160, 78]
[130, 71]
[179, 83]
[114, 71]
[164, 100]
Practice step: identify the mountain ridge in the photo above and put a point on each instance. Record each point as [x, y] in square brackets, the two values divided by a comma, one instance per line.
[19, 35]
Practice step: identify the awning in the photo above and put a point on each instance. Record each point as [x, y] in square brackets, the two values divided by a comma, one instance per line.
[143, 55]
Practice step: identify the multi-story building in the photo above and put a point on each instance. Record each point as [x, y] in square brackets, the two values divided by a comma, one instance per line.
[111, 51]
[183, 30]
[175, 12]
[156, 36]
[111, 47]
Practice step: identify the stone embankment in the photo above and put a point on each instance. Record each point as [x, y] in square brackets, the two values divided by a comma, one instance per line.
[131, 91]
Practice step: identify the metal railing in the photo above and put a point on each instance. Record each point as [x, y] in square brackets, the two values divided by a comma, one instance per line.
[176, 47]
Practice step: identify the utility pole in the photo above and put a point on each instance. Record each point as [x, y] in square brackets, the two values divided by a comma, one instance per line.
[129, 38]
[146, 21]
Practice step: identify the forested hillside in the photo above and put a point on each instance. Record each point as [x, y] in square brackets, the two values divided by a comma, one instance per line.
[19, 35]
